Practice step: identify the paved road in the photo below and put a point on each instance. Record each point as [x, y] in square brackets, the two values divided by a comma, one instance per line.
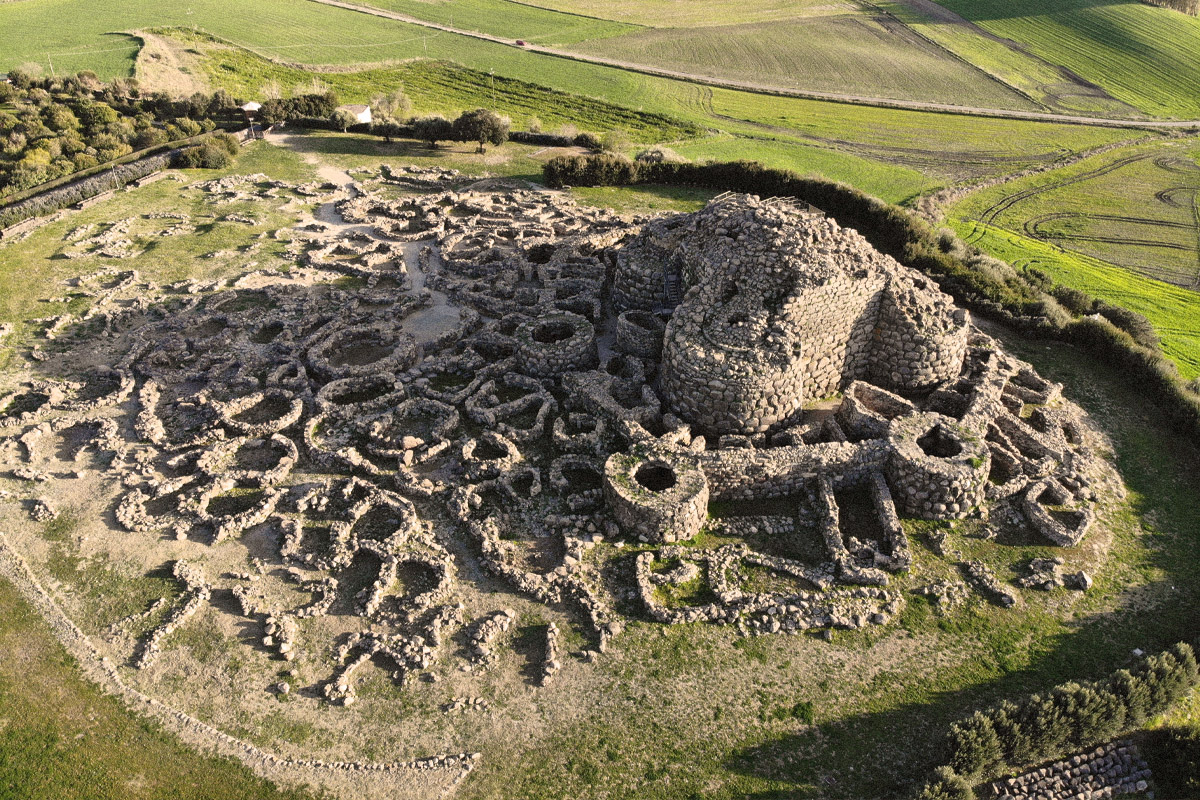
[853, 99]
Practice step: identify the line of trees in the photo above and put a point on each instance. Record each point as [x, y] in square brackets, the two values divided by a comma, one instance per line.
[54, 127]
[1070, 717]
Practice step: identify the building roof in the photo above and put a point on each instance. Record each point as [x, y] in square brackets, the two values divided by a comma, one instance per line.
[251, 106]
[354, 109]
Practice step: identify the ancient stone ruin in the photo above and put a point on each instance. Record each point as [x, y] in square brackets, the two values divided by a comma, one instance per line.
[499, 382]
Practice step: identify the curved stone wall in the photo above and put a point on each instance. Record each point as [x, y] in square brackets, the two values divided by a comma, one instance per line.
[656, 494]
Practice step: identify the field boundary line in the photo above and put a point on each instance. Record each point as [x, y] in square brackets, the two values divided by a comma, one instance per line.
[804, 94]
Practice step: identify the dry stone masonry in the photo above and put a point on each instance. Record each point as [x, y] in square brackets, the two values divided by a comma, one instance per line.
[462, 389]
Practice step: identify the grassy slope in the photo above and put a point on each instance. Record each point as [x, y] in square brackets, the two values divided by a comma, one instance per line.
[1175, 312]
[506, 18]
[447, 88]
[60, 737]
[1148, 57]
[853, 53]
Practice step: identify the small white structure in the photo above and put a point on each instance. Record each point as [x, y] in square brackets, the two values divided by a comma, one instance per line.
[361, 113]
[251, 110]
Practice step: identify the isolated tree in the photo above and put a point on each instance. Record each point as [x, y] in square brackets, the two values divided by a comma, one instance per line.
[614, 141]
[482, 126]
[395, 106]
[433, 129]
[343, 119]
[387, 128]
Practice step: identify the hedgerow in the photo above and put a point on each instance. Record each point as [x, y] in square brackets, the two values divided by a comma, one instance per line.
[1069, 717]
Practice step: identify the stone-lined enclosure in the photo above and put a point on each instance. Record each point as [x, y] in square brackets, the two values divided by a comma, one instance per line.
[455, 388]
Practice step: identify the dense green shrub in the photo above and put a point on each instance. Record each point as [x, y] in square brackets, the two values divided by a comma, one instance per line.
[213, 152]
[976, 745]
[946, 784]
[658, 154]
[589, 140]
[1071, 716]
[1133, 323]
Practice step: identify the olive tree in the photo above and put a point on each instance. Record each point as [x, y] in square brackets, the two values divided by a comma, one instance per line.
[483, 126]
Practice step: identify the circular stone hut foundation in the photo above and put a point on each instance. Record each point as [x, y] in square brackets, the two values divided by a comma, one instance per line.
[939, 468]
[554, 344]
[657, 495]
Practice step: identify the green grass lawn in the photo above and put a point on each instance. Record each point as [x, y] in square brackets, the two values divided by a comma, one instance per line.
[61, 737]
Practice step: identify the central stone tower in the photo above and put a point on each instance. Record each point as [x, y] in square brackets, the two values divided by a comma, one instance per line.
[780, 306]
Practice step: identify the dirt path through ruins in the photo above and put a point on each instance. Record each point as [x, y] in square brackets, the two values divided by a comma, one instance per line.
[426, 324]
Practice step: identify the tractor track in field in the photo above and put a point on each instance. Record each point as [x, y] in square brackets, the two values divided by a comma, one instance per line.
[852, 99]
[702, 98]
[1174, 197]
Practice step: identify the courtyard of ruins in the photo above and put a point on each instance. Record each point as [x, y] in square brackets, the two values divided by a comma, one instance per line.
[374, 518]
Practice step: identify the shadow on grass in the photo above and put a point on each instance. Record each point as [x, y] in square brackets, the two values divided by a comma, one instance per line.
[887, 754]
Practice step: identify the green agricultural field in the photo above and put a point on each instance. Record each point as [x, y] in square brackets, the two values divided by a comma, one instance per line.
[897, 153]
[1174, 311]
[872, 56]
[1146, 56]
[514, 20]
[1135, 207]
[436, 86]
[1122, 226]
[696, 13]
[1041, 80]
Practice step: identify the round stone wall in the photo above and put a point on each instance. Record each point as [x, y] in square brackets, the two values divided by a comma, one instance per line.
[554, 344]
[725, 390]
[938, 468]
[640, 333]
[657, 495]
